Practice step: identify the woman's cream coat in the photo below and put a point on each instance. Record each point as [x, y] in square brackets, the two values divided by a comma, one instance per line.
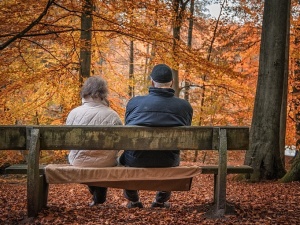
[93, 112]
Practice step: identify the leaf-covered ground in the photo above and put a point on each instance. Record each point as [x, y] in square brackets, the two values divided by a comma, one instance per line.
[255, 203]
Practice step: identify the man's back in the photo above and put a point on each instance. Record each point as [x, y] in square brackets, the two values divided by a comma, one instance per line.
[159, 108]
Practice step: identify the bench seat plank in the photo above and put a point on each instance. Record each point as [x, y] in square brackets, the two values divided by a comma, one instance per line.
[213, 169]
[21, 169]
[170, 178]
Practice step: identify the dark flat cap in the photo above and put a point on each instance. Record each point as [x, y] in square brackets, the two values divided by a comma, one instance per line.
[161, 73]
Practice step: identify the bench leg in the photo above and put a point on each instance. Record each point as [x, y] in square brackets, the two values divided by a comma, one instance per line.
[219, 204]
[215, 188]
[220, 182]
[33, 176]
[43, 192]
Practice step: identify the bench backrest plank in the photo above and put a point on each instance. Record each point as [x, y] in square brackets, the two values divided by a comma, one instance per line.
[12, 137]
[125, 137]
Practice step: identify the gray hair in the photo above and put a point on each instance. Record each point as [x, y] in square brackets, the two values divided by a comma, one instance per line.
[159, 85]
[94, 87]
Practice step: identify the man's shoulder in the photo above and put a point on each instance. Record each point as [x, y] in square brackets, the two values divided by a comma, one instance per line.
[183, 101]
[136, 99]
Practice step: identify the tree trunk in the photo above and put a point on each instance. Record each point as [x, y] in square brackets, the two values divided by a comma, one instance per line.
[189, 43]
[296, 83]
[146, 71]
[283, 114]
[176, 38]
[294, 173]
[178, 10]
[153, 48]
[296, 97]
[264, 152]
[131, 70]
[86, 39]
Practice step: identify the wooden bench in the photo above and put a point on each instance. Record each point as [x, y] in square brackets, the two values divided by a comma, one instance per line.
[36, 138]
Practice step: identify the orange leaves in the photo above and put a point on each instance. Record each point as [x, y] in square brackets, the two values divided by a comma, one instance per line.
[39, 72]
[11, 157]
[254, 203]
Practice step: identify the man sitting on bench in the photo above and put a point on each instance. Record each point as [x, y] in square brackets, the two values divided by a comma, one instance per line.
[157, 109]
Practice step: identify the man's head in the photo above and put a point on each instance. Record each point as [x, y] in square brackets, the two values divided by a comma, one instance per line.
[162, 74]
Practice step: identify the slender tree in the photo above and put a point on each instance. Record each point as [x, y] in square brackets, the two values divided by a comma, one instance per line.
[179, 7]
[189, 44]
[131, 69]
[86, 40]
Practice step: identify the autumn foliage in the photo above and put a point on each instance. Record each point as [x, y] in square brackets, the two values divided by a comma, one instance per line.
[39, 60]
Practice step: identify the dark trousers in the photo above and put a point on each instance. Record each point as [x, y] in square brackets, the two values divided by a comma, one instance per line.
[149, 159]
[161, 196]
[99, 194]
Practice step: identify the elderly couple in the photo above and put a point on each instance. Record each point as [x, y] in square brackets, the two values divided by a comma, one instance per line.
[159, 108]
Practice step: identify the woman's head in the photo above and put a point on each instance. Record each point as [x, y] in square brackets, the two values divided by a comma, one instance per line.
[94, 87]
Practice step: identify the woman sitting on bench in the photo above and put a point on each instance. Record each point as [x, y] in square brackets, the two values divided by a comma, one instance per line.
[94, 110]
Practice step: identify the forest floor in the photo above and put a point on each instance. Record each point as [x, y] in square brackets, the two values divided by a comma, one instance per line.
[255, 203]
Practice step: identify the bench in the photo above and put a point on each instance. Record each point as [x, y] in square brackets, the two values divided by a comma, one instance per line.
[36, 138]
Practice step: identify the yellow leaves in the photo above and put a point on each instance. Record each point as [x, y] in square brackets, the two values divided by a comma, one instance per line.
[39, 96]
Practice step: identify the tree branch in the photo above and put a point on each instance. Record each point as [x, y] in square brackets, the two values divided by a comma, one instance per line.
[208, 85]
[22, 33]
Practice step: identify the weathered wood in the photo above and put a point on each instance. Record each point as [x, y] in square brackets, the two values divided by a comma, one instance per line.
[124, 137]
[33, 177]
[138, 137]
[12, 137]
[220, 190]
[213, 169]
[43, 192]
[21, 169]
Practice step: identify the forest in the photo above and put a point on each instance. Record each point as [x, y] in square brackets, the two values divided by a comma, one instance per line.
[54, 45]
[237, 66]
[49, 47]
